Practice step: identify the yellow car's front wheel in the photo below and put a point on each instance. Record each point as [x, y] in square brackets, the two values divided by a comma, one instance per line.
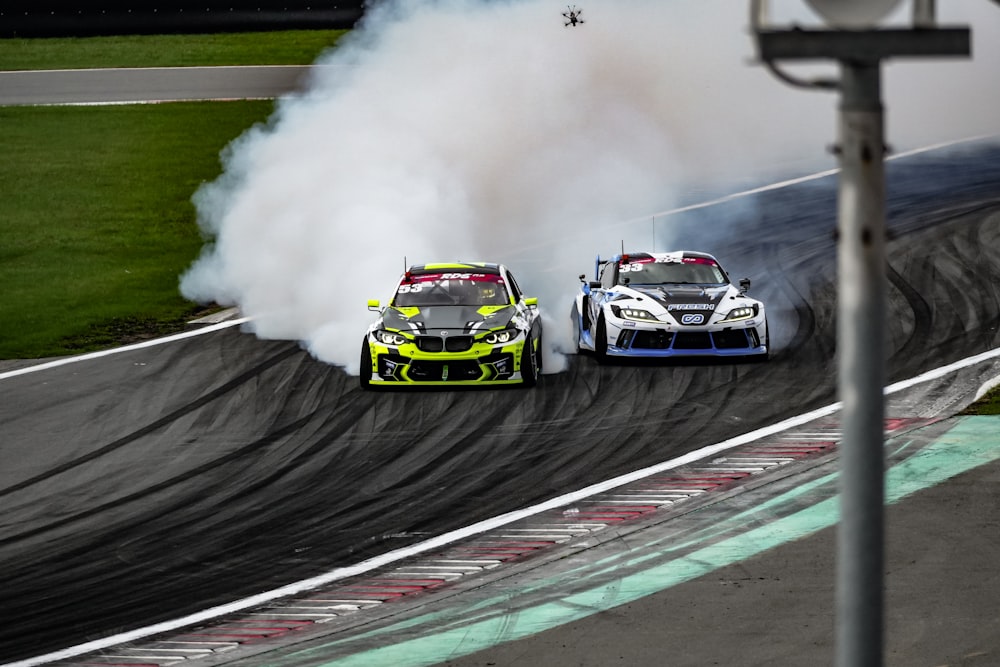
[365, 375]
[531, 361]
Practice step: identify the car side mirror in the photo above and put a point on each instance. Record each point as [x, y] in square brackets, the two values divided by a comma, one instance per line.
[531, 302]
[373, 304]
[583, 278]
[744, 285]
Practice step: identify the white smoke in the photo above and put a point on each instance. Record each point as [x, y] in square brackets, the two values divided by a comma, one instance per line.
[487, 130]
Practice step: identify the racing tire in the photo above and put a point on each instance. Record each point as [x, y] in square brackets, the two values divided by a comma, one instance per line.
[539, 355]
[365, 375]
[760, 358]
[529, 363]
[767, 342]
[601, 341]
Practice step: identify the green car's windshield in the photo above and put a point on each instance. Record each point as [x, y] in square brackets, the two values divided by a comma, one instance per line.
[447, 290]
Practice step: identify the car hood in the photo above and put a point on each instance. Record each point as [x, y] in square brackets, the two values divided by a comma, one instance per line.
[452, 319]
[684, 297]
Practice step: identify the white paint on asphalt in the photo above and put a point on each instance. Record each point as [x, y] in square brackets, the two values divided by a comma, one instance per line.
[126, 348]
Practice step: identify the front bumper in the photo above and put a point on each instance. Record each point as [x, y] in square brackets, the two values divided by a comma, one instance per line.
[629, 338]
[481, 365]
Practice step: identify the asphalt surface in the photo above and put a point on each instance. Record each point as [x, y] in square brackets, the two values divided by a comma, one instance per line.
[156, 482]
[777, 608]
[161, 84]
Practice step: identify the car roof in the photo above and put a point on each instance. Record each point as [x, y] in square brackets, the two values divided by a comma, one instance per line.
[677, 254]
[478, 267]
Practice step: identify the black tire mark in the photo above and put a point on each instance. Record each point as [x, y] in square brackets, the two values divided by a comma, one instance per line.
[157, 424]
[923, 316]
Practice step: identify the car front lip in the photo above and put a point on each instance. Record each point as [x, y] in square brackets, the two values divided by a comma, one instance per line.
[718, 325]
[616, 326]
[498, 363]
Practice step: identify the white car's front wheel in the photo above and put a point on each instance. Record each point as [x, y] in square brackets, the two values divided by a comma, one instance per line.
[601, 340]
[574, 318]
[767, 341]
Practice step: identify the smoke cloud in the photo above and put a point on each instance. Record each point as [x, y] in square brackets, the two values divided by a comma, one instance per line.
[487, 130]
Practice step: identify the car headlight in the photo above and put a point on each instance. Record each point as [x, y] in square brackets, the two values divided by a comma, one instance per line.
[633, 314]
[390, 337]
[741, 313]
[502, 336]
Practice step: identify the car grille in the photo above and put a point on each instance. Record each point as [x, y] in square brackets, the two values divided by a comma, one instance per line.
[731, 339]
[444, 343]
[689, 340]
[652, 340]
[435, 371]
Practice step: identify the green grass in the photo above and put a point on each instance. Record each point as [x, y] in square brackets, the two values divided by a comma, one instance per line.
[96, 219]
[987, 405]
[284, 47]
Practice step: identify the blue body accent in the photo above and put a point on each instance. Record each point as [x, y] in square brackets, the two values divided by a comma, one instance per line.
[614, 351]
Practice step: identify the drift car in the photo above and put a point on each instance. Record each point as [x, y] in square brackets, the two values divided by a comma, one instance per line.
[676, 304]
[454, 324]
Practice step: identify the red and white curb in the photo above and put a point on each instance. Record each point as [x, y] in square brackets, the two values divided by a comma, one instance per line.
[638, 499]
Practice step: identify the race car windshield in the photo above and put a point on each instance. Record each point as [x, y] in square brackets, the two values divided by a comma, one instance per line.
[445, 290]
[673, 273]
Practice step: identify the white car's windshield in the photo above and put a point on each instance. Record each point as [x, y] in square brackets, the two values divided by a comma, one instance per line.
[702, 272]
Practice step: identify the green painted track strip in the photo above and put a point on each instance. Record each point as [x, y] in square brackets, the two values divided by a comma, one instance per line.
[971, 442]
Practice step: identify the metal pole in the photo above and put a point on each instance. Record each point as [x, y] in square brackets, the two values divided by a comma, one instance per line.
[861, 350]
[862, 293]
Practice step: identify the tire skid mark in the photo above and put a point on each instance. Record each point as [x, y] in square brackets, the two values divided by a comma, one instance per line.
[199, 402]
[933, 280]
[266, 441]
[286, 620]
[923, 318]
[388, 428]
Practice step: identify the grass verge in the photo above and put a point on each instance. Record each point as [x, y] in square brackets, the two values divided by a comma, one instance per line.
[987, 405]
[97, 220]
[282, 47]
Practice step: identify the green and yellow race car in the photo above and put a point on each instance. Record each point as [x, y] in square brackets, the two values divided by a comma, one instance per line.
[454, 324]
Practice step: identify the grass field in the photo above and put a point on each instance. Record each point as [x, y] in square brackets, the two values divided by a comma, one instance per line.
[284, 47]
[987, 405]
[96, 216]
[97, 219]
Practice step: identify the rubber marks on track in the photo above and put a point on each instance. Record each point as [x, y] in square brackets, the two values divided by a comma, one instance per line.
[290, 617]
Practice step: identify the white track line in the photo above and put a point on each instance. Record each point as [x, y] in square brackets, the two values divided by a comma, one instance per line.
[127, 348]
[801, 179]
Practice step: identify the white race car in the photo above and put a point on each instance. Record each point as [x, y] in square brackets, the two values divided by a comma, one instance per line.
[675, 304]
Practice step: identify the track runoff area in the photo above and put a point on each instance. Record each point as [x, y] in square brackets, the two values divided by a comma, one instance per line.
[767, 447]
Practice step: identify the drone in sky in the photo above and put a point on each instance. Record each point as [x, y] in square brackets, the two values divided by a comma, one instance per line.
[572, 16]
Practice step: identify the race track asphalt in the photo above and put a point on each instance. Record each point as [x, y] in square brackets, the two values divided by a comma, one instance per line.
[159, 481]
[776, 607]
[164, 84]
